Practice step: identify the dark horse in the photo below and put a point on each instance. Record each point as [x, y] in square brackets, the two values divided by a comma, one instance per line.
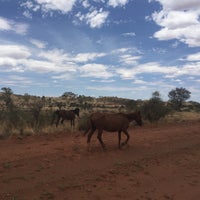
[65, 114]
[111, 122]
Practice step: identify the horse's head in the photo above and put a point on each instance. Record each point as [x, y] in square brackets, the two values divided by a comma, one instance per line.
[76, 111]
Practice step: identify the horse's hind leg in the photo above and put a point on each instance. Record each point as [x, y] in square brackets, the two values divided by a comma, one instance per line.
[52, 121]
[127, 139]
[119, 139]
[99, 136]
[57, 122]
[62, 120]
[89, 137]
[73, 123]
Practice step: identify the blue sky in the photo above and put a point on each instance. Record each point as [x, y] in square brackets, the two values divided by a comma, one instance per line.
[124, 48]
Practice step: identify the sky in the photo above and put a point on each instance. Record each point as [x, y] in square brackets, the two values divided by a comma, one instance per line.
[123, 48]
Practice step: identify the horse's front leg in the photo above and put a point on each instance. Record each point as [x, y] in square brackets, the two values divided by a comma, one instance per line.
[99, 136]
[62, 120]
[72, 123]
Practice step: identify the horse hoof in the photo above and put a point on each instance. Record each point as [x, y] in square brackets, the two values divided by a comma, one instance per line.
[89, 148]
[104, 147]
[123, 144]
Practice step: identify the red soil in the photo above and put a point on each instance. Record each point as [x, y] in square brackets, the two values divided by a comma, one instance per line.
[162, 162]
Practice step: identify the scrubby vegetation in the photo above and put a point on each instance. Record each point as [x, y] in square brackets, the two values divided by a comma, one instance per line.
[26, 114]
[155, 108]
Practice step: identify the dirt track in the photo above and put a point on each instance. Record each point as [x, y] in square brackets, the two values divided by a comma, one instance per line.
[161, 163]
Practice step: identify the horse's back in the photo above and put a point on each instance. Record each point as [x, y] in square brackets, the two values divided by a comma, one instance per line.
[109, 121]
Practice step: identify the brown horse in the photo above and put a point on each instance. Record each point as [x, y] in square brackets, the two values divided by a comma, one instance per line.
[65, 114]
[111, 122]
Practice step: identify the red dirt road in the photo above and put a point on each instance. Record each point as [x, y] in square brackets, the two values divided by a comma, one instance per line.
[161, 163]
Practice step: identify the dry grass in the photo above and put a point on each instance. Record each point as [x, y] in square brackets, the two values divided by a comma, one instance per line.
[182, 116]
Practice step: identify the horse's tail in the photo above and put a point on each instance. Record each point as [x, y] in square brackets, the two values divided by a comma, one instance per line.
[89, 125]
[55, 114]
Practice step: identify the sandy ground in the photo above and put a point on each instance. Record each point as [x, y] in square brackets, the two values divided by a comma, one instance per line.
[162, 162]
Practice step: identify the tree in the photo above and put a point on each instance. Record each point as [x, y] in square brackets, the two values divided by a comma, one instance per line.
[178, 96]
[69, 95]
[6, 96]
[156, 95]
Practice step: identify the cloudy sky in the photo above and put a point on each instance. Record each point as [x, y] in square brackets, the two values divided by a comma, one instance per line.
[124, 48]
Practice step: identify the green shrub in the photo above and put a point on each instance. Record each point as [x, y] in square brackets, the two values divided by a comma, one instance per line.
[82, 124]
[154, 109]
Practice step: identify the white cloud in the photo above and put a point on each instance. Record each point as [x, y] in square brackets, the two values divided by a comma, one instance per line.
[104, 81]
[5, 24]
[138, 81]
[55, 55]
[39, 44]
[85, 4]
[63, 6]
[193, 57]
[131, 34]
[41, 66]
[192, 69]
[95, 71]
[115, 3]
[128, 59]
[96, 18]
[179, 5]
[177, 19]
[127, 56]
[59, 56]
[175, 44]
[14, 52]
[91, 14]
[159, 50]
[85, 57]
[10, 25]
[27, 14]
[13, 79]
[126, 50]
[18, 58]
[121, 50]
[64, 76]
[29, 5]
[149, 68]
[109, 88]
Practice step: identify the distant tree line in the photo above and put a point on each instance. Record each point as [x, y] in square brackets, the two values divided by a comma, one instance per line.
[31, 111]
[155, 108]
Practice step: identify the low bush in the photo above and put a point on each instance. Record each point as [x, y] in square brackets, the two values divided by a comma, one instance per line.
[82, 124]
[154, 109]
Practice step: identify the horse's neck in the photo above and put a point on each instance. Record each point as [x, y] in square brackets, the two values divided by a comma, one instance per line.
[57, 112]
[130, 116]
[76, 112]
